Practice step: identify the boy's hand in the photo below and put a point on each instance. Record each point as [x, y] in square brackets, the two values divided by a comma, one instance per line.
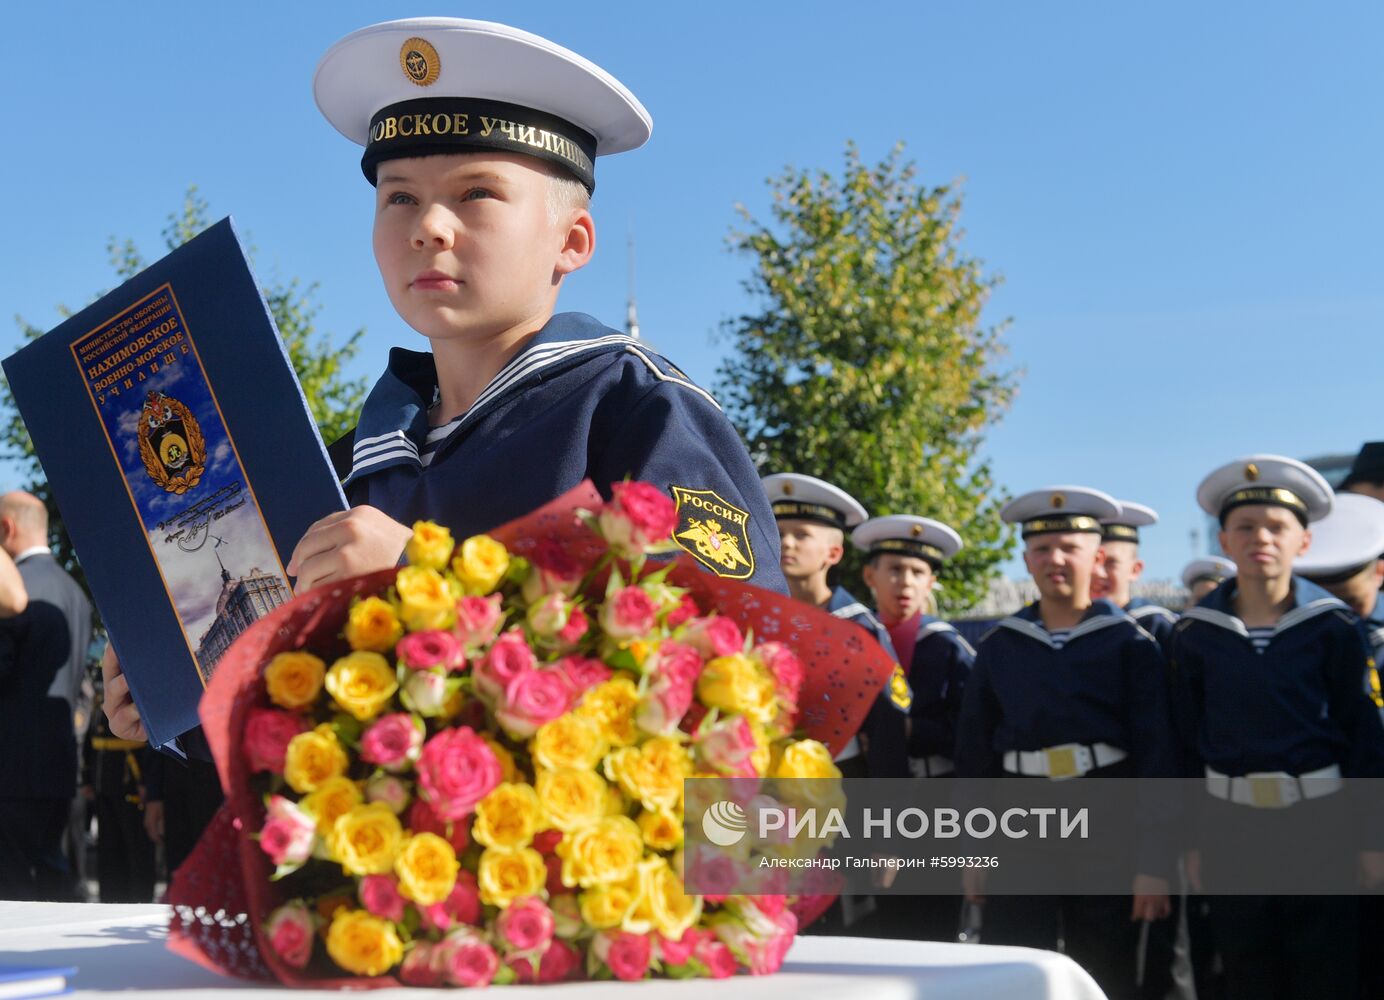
[1151, 900]
[119, 707]
[345, 544]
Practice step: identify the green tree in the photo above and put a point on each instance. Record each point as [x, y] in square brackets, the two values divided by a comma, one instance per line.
[868, 363]
[317, 358]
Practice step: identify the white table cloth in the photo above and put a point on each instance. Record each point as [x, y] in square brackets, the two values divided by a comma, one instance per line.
[120, 948]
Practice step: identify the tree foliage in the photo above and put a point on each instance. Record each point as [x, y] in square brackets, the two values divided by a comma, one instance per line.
[318, 359]
[868, 363]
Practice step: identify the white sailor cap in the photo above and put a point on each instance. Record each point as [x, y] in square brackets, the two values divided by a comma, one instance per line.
[806, 498]
[1345, 541]
[1266, 479]
[1124, 526]
[447, 85]
[1216, 568]
[908, 535]
[1060, 508]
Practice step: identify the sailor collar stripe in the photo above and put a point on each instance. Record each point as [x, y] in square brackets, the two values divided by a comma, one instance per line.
[1296, 616]
[1035, 631]
[1150, 611]
[851, 611]
[941, 628]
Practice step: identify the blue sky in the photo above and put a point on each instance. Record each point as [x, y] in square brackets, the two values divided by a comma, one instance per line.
[1182, 199]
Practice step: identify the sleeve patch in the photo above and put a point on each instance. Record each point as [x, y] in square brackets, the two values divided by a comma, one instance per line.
[899, 691]
[714, 532]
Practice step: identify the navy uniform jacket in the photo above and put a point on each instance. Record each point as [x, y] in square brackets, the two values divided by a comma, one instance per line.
[1302, 704]
[1373, 625]
[886, 726]
[580, 401]
[941, 663]
[1155, 619]
[1107, 684]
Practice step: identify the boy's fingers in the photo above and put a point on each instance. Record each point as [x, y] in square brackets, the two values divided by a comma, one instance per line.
[321, 537]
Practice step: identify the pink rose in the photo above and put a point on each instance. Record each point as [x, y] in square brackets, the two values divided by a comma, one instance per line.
[677, 952]
[549, 615]
[422, 819]
[426, 692]
[638, 515]
[626, 954]
[727, 747]
[560, 962]
[663, 705]
[714, 636]
[455, 771]
[288, 832]
[393, 741]
[787, 669]
[576, 628]
[290, 931]
[713, 873]
[466, 959]
[685, 611]
[555, 571]
[509, 657]
[582, 673]
[420, 967]
[628, 614]
[677, 660]
[478, 621]
[718, 959]
[429, 649]
[526, 925]
[462, 906]
[531, 699]
[380, 895]
[390, 790]
[267, 734]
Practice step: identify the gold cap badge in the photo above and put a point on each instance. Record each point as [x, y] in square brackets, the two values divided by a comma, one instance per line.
[787, 489]
[917, 530]
[1058, 500]
[1252, 472]
[420, 62]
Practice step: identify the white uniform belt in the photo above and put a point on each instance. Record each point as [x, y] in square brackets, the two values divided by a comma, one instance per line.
[1274, 789]
[1070, 760]
[931, 766]
[851, 749]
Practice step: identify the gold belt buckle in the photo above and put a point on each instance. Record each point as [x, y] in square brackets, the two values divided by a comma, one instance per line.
[1061, 762]
[1266, 791]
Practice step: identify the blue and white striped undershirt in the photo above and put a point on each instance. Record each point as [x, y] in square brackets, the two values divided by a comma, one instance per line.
[1260, 637]
[436, 436]
[1059, 637]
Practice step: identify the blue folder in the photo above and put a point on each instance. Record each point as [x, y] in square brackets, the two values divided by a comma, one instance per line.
[181, 452]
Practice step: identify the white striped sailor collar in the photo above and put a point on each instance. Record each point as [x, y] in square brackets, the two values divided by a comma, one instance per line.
[843, 604]
[928, 625]
[1142, 607]
[394, 420]
[1028, 621]
[1309, 600]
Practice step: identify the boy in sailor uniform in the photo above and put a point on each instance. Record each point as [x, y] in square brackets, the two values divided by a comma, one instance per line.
[1120, 566]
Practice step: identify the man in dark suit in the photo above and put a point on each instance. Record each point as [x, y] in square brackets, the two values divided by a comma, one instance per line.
[43, 647]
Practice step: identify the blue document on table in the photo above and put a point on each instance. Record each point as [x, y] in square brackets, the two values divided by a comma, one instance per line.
[25, 981]
[180, 450]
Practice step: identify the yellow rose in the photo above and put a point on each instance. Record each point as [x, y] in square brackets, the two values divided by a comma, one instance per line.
[334, 798]
[362, 944]
[605, 906]
[608, 850]
[425, 600]
[427, 869]
[508, 772]
[373, 625]
[480, 564]
[572, 740]
[662, 893]
[652, 772]
[738, 684]
[805, 759]
[572, 799]
[366, 840]
[508, 816]
[294, 679]
[313, 758]
[611, 705]
[430, 546]
[362, 683]
[662, 829]
[505, 874]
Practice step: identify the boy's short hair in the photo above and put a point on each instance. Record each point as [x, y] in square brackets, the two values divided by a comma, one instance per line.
[565, 194]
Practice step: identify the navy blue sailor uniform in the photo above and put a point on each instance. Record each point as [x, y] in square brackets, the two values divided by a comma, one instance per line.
[1154, 619]
[580, 401]
[937, 673]
[886, 725]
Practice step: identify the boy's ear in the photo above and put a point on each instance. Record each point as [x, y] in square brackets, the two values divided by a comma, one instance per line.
[578, 244]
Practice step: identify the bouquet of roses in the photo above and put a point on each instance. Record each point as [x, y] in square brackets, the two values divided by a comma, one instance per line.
[470, 770]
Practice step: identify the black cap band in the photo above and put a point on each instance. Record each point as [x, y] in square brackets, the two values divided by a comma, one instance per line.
[1061, 523]
[1120, 533]
[1274, 496]
[426, 126]
[796, 510]
[908, 547]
